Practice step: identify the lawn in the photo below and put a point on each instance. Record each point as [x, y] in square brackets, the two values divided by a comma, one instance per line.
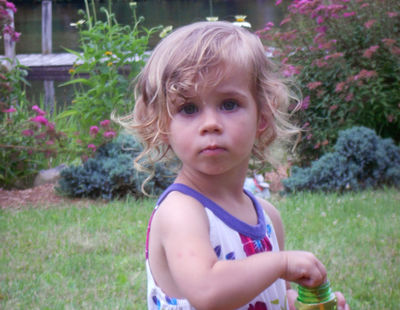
[76, 257]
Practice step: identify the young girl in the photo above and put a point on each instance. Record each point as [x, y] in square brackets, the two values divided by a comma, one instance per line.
[209, 95]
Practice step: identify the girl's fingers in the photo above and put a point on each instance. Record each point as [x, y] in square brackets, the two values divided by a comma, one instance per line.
[341, 301]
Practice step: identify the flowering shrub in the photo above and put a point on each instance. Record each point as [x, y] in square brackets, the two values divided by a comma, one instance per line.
[31, 143]
[112, 55]
[5, 20]
[346, 57]
[29, 140]
[28, 144]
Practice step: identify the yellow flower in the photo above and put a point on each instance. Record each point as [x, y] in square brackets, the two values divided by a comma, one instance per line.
[241, 21]
[70, 71]
[109, 64]
[108, 53]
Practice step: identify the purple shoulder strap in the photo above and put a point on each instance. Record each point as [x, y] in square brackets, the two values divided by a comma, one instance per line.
[256, 232]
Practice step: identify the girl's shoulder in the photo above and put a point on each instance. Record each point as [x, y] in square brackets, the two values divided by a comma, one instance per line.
[276, 219]
[178, 210]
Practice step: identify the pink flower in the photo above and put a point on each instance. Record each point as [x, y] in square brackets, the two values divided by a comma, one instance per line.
[370, 51]
[27, 133]
[38, 110]
[109, 134]
[94, 130]
[392, 14]
[395, 50]
[388, 42]
[50, 142]
[15, 36]
[333, 107]
[390, 118]
[305, 103]
[290, 70]
[92, 147]
[105, 123]
[268, 26]
[340, 86]
[320, 63]
[11, 6]
[309, 136]
[39, 119]
[40, 136]
[313, 85]
[318, 37]
[321, 29]
[10, 110]
[333, 56]
[278, 2]
[285, 21]
[320, 20]
[365, 74]
[349, 97]
[369, 23]
[349, 14]
[51, 126]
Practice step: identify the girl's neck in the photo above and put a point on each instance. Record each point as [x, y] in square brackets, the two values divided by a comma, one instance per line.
[226, 191]
[215, 187]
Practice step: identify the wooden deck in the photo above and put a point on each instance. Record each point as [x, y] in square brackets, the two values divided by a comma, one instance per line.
[47, 67]
[52, 66]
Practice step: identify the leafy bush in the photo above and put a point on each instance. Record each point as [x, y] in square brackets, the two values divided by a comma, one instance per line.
[28, 139]
[360, 160]
[110, 58]
[110, 173]
[346, 58]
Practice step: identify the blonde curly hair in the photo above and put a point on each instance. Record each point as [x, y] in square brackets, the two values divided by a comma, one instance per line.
[180, 62]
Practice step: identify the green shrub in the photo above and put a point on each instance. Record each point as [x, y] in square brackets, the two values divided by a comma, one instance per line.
[110, 57]
[361, 160]
[346, 58]
[29, 141]
[110, 173]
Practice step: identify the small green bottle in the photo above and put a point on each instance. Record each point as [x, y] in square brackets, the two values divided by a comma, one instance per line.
[317, 298]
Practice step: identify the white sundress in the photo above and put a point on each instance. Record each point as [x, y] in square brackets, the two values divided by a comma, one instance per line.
[231, 239]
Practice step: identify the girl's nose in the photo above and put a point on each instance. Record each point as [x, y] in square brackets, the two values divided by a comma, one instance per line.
[210, 123]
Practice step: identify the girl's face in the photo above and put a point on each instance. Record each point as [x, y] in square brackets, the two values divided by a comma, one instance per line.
[214, 130]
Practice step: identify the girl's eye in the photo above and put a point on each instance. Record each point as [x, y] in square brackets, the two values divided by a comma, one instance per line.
[189, 109]
[229, 105]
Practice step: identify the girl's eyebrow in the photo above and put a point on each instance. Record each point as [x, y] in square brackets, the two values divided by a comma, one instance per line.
[232, 93]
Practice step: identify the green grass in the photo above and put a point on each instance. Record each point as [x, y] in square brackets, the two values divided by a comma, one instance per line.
[75, 257]
[356, 236]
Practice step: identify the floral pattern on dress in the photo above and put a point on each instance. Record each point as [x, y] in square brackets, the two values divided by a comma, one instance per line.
[258, 306]
[253, 246]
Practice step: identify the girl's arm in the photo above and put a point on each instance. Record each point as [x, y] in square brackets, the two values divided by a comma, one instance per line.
[280, 233]
[211, 284]
[276, 219]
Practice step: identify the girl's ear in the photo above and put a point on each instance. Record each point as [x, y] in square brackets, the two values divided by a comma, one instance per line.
[164, 138]
[262, 124]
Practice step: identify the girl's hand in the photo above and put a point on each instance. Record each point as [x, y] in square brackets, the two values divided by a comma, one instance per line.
[341, 301]
[303, 268]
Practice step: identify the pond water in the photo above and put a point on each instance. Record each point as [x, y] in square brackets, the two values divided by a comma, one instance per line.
[156, 12]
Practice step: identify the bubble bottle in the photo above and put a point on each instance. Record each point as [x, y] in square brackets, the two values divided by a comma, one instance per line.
[316, 298]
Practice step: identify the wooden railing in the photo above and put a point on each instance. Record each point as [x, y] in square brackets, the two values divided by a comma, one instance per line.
[9, 44]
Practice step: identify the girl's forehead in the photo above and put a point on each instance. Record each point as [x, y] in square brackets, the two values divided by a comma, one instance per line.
[221, 73]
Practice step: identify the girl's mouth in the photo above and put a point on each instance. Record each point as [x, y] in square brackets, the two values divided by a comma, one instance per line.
[212, 150]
